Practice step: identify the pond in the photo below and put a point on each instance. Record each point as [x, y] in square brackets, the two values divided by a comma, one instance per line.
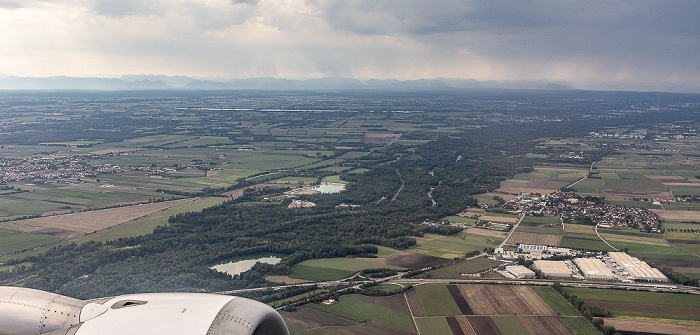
[328, 188]
[234, 268]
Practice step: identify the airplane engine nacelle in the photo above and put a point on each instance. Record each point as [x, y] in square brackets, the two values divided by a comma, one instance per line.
[31, 312]
[28, 312]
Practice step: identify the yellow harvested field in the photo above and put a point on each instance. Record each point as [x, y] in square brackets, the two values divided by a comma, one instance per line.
[671, 215]
[641, 327]
[78, 224]
[286, 280]
[534, 238]
[486, 232]
[580, 231]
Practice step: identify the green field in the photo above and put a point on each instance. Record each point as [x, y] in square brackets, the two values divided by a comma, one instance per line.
[539, 230]
[581, 326]
[332, 268]
[567, 175]
[642, 297]
[634, 185]
[651, 250]
[294, 330]
[588, 185]
[295, 180]
[680, 225]
[509, 324]
[461, 219]
[583, 241]
[141, 226]
[452, 246]
[433, 326]
[485, 199]
[523, 176]
[556, 301]
[466, 266]
[551, 220]
[12, 241]
[436, 300]
[354, 308]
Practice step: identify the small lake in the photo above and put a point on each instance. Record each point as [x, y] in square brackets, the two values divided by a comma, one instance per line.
[234, 268]
[328, 188]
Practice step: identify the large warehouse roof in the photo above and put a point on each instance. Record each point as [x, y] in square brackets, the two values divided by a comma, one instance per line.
[638, 269]
[553, 268]
[594, 268]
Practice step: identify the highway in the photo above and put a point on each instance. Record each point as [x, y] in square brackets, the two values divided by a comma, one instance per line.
[352, 282]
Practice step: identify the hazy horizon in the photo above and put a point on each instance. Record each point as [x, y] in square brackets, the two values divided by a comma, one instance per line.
[648, 45]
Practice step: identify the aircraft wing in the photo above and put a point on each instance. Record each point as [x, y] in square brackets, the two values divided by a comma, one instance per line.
[26, 311]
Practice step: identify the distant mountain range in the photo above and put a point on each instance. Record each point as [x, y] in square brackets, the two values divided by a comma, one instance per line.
[160, 82]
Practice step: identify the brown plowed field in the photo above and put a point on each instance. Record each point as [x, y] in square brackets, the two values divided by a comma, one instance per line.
[545, 325]
[504, 300]
[644, 308]
[408, 260]
[580, 231]
[466, 326]
[460, 300]
[78, 224]
[414, 303]
[484, 325]
[455, 327]
[534, 238]
[650, 327]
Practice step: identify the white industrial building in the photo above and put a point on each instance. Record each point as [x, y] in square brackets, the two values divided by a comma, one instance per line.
[637, 269]
[532, 249]
[520, 271]
[553, 268]
[593, 268]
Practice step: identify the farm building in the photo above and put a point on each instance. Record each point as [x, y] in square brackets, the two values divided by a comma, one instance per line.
[553, 268]
[594, 268]
[520, 271]
[637, 269]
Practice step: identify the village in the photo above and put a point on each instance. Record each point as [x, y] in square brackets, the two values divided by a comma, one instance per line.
[583, 209]
[48, 168]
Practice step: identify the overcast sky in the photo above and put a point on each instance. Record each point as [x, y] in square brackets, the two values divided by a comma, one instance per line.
[636, 44]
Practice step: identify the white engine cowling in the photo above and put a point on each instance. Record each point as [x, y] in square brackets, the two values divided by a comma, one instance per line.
[31, 312]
